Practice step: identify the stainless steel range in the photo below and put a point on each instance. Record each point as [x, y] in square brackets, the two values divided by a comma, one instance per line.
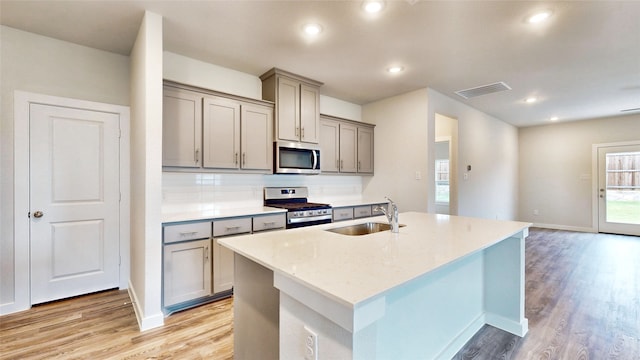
[300, 211]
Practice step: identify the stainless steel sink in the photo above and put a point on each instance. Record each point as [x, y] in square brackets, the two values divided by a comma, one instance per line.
[362, 229]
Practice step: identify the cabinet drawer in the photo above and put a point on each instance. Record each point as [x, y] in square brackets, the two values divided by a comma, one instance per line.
[231, 227]
[183, 232]
[362, 211]
[269, 222]
[375, 212]
[342, 214]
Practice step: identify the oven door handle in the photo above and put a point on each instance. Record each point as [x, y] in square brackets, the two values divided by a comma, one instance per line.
[309, 219]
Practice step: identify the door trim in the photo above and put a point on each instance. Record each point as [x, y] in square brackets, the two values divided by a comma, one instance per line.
[22, 101]
[595, 222]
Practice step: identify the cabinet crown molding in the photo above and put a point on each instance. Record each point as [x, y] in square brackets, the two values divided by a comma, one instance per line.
[275, 71]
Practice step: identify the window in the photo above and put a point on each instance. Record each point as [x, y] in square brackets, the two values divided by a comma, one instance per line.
[442, 181]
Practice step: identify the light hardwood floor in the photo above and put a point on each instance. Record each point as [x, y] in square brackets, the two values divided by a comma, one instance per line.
[582, 302]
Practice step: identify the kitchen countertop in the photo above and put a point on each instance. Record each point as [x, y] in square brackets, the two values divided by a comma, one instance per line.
[352, 269]
[194, 212]
[201, 211]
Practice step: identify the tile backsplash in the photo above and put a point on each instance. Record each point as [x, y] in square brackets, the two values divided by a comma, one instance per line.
[245, 190]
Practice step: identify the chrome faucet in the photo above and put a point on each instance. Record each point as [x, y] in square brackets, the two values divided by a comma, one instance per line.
[392, 216]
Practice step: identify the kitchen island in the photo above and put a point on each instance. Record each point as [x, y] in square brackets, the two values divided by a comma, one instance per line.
[420, 293]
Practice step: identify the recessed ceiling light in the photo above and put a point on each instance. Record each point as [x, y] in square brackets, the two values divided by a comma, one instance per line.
[554, 118]
[312, 29]
[539, 17]
[395, 69]
[530, 100]
[373, 6]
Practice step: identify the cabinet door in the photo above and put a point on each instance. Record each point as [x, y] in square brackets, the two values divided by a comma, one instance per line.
[221, 133]
[288, 109]
[329, 146]
[182, 131]
[222, 268]
[348, 148]
[309, 114]
[256, 125]
[365, 150]
[187, 271]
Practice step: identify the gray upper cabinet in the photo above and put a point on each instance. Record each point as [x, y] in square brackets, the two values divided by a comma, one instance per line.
[365, 149]
[221, 129]
[346, 146]
[256, 130]
[234, 133]
[182, 128]
[329, 145]
[297, 105]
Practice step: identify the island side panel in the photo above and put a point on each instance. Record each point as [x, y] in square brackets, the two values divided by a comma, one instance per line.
[255, 312]
[504, 285]
[334, 342]
[430, 317]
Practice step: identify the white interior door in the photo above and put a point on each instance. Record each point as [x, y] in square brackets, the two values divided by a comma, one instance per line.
[74, 196]
[619, 189]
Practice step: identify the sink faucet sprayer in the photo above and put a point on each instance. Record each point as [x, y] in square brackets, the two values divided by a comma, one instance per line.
[392, 216]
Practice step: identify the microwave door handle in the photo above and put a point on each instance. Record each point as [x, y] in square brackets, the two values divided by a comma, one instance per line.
[315, 159]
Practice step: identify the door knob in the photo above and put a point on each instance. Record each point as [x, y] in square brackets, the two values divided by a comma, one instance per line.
[38, 214]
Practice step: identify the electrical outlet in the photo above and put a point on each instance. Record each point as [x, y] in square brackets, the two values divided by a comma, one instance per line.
[418, 175]
[310, 344]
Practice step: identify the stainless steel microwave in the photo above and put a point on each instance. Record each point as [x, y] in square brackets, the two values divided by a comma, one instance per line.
[296, 158]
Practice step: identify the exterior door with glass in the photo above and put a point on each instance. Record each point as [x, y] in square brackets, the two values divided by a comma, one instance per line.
[619, 189]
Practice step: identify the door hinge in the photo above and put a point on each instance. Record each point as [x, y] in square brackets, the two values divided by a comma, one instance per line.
[29, 214]
[120, 197]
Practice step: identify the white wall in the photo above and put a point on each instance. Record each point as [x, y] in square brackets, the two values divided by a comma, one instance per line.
[194, 72]
[405, 138]
[146, 173]
[400, 150]
[43, 65]
[555, 169]
[490, 146]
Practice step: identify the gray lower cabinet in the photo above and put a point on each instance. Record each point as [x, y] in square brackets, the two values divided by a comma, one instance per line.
[186, 262]
[357, 212]
[223, 257]
[196, 269]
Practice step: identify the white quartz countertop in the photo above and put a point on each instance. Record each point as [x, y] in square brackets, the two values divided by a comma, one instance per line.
[193, 212]
[352, 269]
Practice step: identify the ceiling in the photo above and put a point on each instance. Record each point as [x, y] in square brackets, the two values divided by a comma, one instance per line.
[584, 62]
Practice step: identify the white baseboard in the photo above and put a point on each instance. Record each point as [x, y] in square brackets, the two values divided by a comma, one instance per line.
[565, 227]
[144, 322]
[459, 341]
[503, 323]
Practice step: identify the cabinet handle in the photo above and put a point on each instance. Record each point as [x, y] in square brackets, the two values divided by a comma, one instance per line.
[302, 135]
[188, 233]
[196, 157]
[244, 159]
[338, 163]
[359, 165]
[235, 161]
[267, 224]
[229, 228]
[206, 253]
[297, 131]
[341, 164]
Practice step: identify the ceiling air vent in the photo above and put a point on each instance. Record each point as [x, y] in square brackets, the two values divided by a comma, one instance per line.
[483, 90]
